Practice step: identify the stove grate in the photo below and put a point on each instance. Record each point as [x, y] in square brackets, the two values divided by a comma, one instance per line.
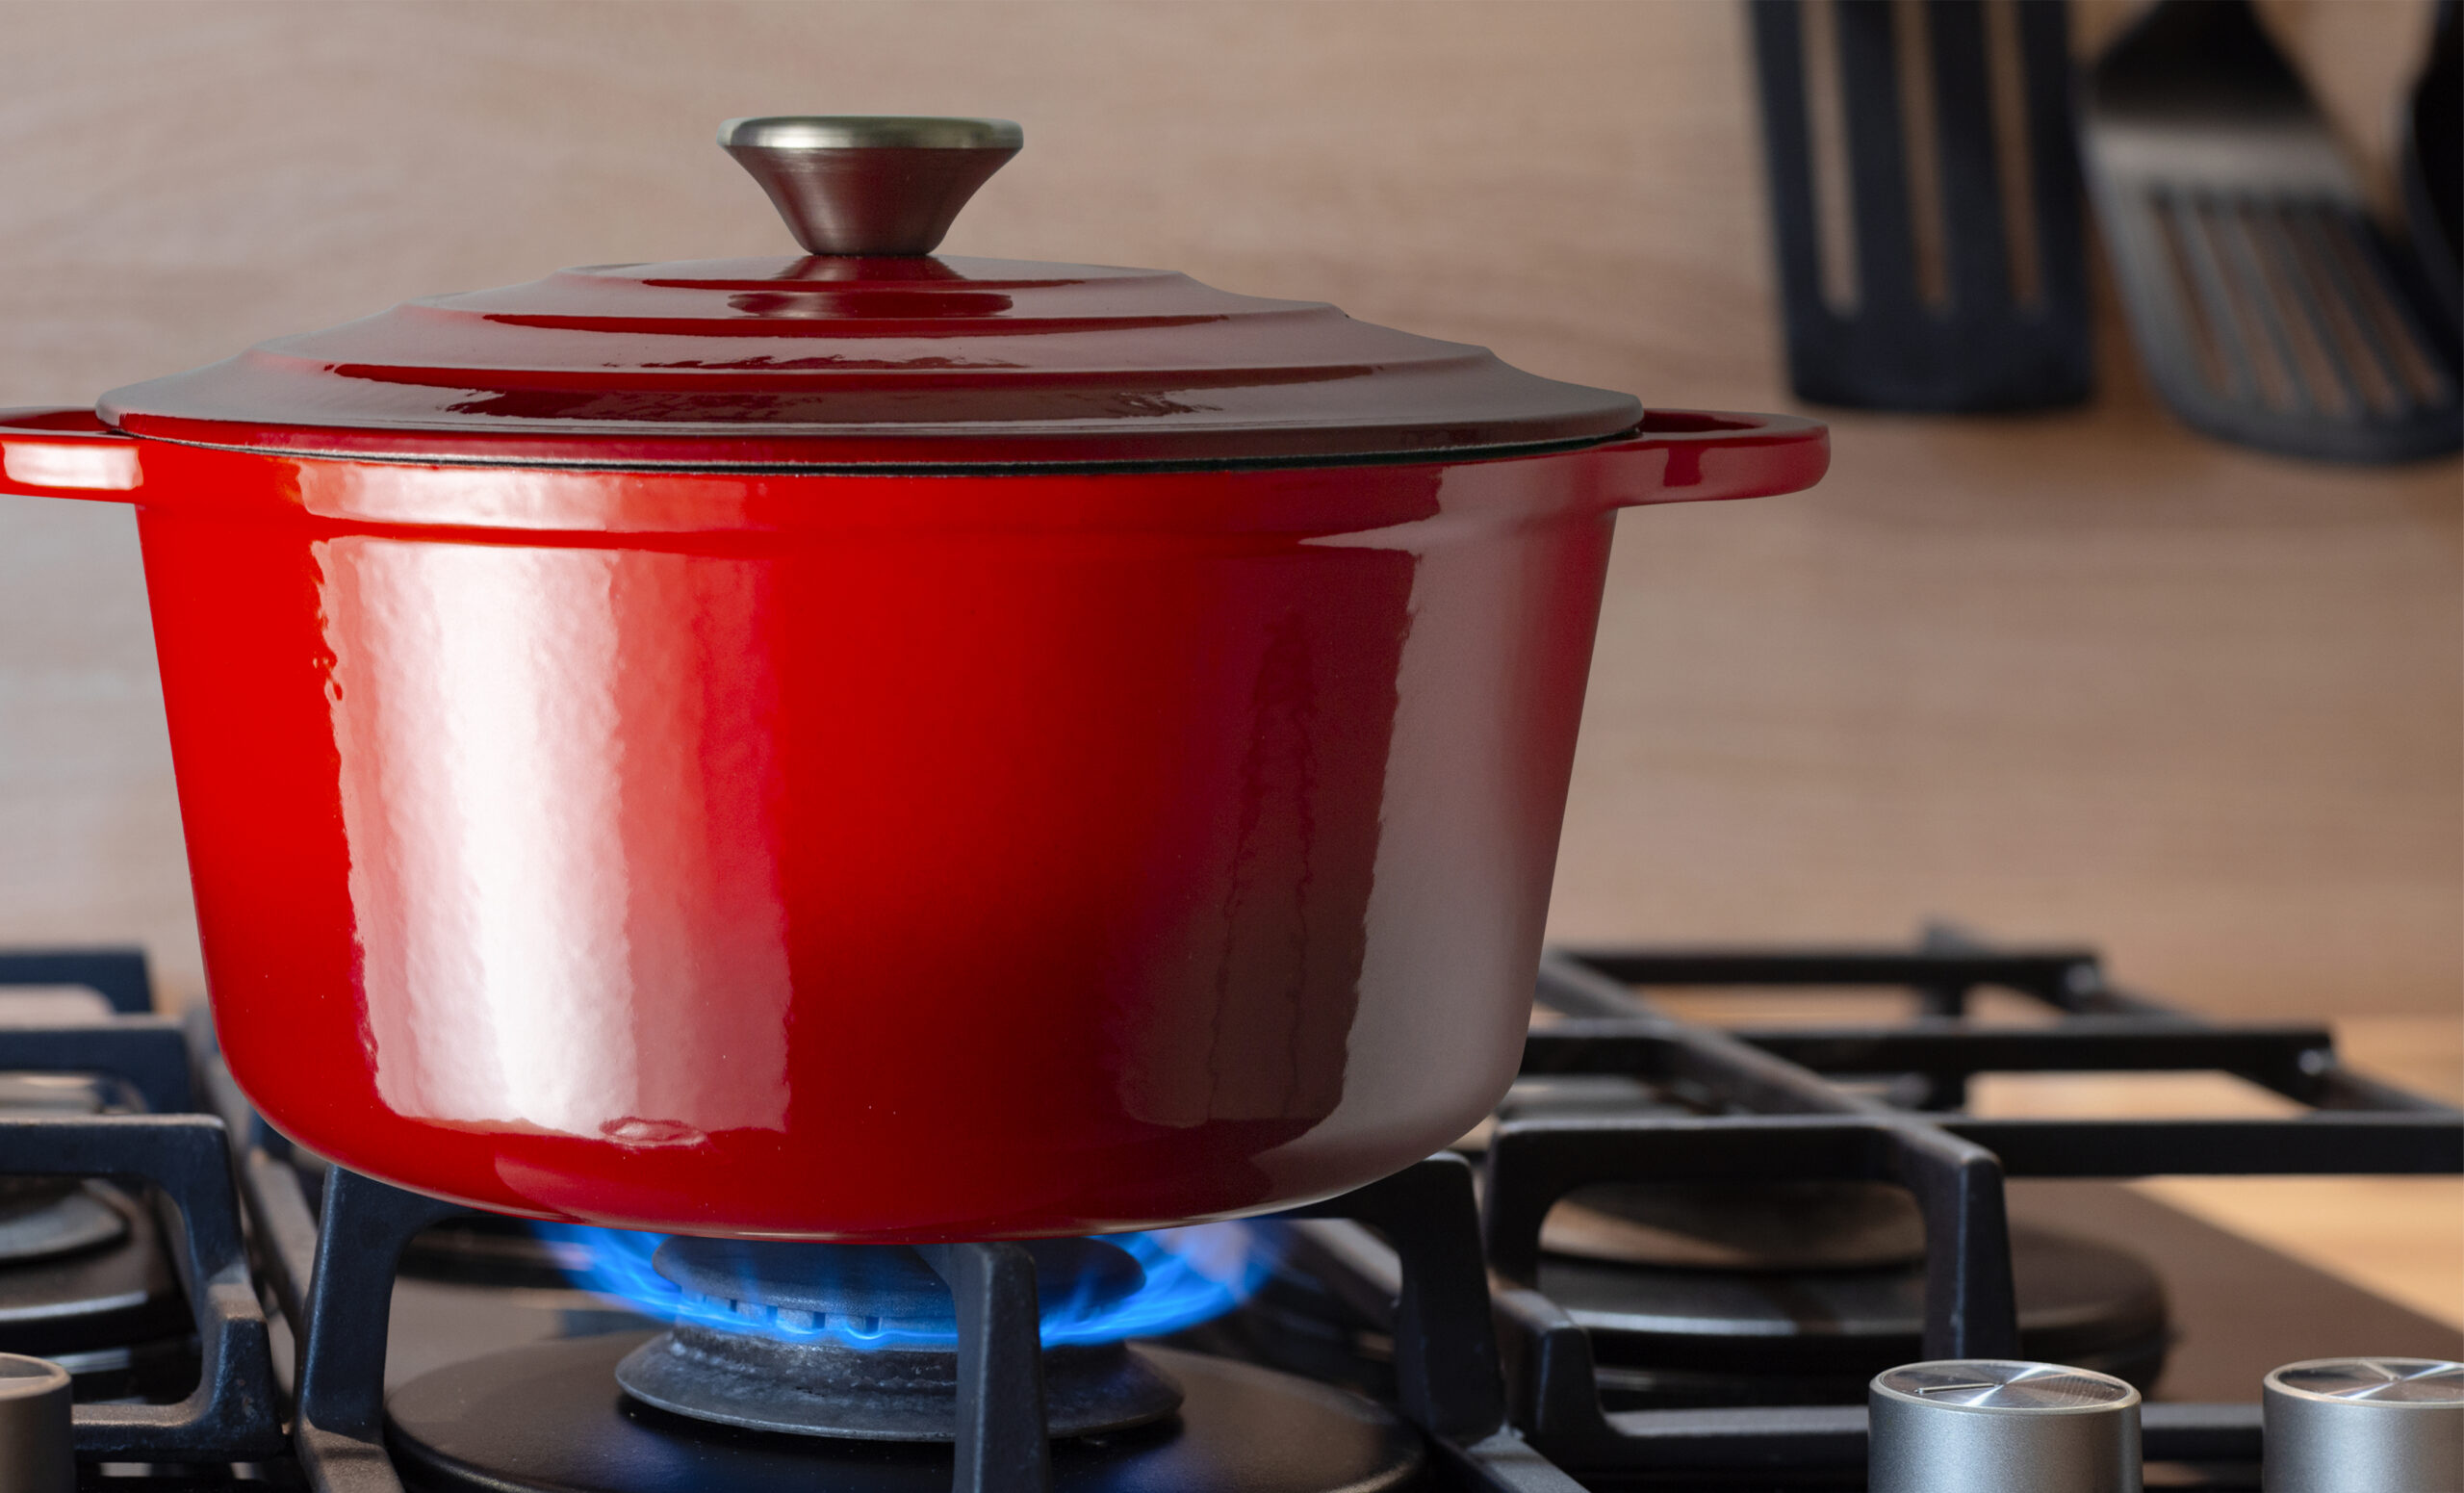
[233, 1414]
[1502, 1380]
[1782, 1108]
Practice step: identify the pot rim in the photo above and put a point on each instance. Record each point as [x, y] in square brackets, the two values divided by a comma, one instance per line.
[987, 468]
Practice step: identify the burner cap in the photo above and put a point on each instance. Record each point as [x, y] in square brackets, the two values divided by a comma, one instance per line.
[798, 1286]
[42, 1218]
[1753, 1226]
[55, 1094]
[824, 1388]
[46, 1216]
[800, 1361]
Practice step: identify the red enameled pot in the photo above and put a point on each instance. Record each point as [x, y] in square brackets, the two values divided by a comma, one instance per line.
[871, 746]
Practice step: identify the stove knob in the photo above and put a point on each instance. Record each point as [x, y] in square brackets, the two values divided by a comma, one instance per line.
[2365, 1426]
[37, 1450]
[1990, 1426]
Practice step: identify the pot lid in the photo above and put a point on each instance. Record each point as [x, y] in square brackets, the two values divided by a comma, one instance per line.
[868, 349]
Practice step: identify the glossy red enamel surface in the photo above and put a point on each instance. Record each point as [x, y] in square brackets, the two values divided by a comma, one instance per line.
[879, 858]
[867, 360]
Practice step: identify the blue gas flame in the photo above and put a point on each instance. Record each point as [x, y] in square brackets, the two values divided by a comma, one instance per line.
[1193, 1274]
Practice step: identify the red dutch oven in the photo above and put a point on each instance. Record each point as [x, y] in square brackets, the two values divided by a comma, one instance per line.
[870, 746]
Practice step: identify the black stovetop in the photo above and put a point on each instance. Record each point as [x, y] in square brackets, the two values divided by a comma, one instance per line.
[1584, 1294]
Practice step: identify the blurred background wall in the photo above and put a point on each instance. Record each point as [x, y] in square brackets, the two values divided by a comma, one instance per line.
[2073, 676]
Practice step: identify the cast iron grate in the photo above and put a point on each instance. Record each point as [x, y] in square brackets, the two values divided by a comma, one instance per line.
[1880, 1102]
[1868, 1101]
[184, 1160]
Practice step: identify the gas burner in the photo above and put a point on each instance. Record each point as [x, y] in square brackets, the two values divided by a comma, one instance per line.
[1772, 1226]
[861, 1341]
[1681, 1335]
[84, 1278]
[42, 1218]
[58, 1093]
[1772, 1321]
[541, 1420]
[99, 1297]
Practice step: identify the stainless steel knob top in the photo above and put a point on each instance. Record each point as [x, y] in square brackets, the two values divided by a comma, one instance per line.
[38, 1448]
[1995, 1426]
[2365, 1426]
[870, 184]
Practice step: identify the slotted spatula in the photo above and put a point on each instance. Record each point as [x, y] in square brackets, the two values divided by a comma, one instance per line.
[2266, 307]
[1925, 201]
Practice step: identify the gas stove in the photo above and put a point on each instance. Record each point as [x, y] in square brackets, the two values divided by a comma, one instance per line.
[1674, 1258]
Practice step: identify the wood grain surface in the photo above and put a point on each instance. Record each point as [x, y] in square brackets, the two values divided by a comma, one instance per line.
[2081, 676]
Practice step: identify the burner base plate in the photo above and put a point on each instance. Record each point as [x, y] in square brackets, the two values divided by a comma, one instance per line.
[1669, 1336]
[549, 1418]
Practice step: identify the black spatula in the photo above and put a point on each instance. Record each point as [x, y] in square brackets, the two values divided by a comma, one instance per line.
[2266, 307]
[1925, 199]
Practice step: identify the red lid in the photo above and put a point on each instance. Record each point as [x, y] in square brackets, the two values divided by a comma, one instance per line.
[866, 351]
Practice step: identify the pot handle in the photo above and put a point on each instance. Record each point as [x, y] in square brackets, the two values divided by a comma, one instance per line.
[1696, 455]
[61, 452]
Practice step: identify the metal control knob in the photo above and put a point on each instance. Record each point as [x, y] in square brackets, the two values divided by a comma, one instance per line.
[2365, 1426]
[38, 1448]
[870, 184]
[1990, 1425]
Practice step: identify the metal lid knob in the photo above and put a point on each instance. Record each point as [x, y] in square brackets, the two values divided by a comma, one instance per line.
[37, 1444]
[1991, 1425]
[2364, 1426]
[870, 184]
